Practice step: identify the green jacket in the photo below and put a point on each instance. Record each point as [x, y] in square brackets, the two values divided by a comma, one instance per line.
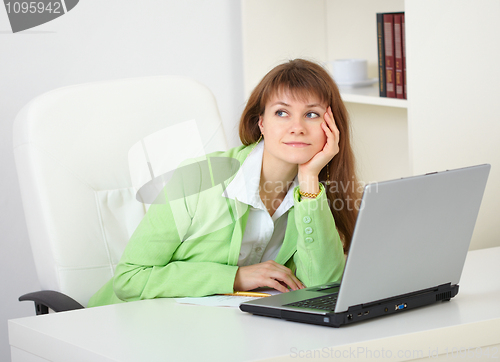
[189, 241]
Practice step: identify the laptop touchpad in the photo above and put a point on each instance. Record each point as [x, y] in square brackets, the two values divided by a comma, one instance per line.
[328, 290]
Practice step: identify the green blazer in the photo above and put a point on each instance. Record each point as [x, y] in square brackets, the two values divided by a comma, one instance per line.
[189, 241]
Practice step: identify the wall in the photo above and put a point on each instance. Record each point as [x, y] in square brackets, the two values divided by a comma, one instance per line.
[453, 111]
[100, 40]
[279, 30]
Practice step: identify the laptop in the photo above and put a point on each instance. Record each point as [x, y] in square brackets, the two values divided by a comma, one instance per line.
[408, 250]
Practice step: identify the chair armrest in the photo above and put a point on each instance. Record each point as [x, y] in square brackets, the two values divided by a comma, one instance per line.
[56, 301]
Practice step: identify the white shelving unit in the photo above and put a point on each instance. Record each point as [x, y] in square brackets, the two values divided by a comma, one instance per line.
[370, 95]
[451, 118]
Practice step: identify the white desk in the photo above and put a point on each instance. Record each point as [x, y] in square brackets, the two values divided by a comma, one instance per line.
[161, 330]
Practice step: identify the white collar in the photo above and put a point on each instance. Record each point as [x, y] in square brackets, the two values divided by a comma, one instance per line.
[245, 185]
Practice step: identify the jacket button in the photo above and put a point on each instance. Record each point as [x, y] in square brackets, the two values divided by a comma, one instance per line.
[306, 219]
[309, 239]
[308, 230]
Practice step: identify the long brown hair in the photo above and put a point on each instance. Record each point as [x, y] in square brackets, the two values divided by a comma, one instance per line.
[302, 78]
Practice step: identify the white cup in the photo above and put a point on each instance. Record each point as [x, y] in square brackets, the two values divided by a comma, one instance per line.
[348, 71]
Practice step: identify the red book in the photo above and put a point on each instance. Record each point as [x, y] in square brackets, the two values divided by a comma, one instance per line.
[389, 55]
[404, 53]
[398, 55]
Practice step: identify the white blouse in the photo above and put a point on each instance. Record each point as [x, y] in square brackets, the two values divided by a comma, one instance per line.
[264, 233]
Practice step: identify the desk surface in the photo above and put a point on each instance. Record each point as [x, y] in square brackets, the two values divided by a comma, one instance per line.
[159, 330]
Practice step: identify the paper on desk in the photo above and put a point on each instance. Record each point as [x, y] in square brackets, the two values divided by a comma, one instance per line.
[216, 300]
[222, 300]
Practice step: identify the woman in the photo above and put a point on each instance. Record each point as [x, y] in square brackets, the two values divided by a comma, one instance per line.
[274, 224]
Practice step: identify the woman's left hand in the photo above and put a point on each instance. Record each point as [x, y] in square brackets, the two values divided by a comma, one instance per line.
[331, 148]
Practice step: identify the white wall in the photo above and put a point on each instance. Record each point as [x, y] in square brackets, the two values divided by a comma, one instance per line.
[279, 30]
[454, 113]
[100, 40]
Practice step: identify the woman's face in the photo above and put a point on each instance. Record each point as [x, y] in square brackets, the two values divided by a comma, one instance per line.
[292, 128]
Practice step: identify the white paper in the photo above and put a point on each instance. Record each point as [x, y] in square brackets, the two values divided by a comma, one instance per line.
[223, 300]
[216, 300]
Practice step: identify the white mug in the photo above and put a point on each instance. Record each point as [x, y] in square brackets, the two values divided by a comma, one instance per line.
[347, 71]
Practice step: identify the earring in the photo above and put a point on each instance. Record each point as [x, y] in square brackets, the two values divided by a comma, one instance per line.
[256, 143]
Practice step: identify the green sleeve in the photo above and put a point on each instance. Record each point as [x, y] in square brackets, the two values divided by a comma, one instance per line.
[159, 262]
[146, 269]
[320, 256]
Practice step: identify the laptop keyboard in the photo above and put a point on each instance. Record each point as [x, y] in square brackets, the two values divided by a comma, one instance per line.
[326, 302]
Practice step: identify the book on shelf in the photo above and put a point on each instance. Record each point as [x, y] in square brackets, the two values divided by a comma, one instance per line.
[404, 54]
[381, 55]
[391, 55]
[398, 55]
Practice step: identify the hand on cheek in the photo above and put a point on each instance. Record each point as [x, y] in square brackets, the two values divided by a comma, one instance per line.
[329, 150]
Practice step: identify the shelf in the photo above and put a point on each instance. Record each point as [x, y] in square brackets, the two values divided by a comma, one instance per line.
[369, 95]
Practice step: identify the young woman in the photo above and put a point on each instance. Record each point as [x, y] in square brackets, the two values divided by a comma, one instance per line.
[283, 220]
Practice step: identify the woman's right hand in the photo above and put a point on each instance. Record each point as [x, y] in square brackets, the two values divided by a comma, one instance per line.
[267, 274]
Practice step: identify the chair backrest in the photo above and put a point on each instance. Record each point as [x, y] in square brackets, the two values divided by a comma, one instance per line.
[71, 148]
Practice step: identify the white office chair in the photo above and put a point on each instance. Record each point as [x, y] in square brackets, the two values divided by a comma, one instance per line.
[71, 148]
